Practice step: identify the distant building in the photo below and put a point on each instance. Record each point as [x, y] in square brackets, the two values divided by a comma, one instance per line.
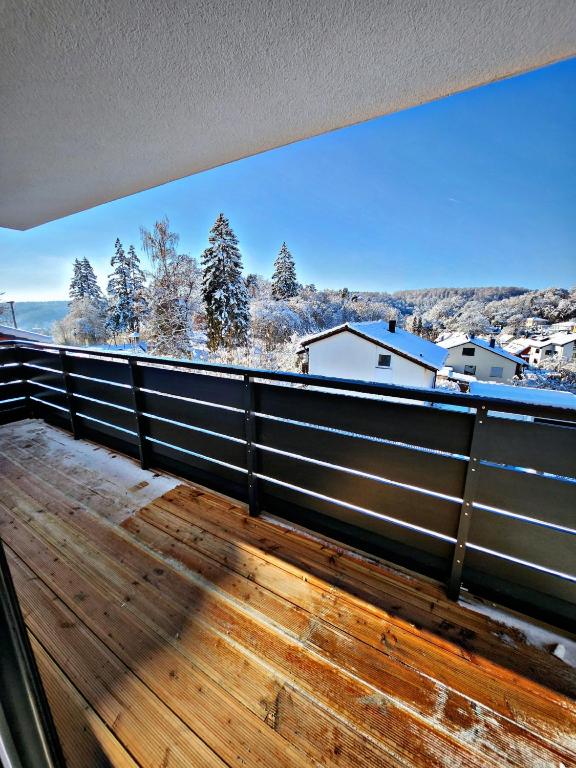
[558, 345]
[373, 351]
[568, 326]
[535, 324]
[481, 358]
[10, 334]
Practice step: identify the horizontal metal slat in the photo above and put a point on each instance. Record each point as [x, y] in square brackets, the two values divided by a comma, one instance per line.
[96, 428]
[98, 390]
[430, 471]
[528, 444]
[9, 355]
[523, 493]
[402, 504]
[8, 391]
[46, 379]
[212, 446]
[42, 359]
[377, 530]
[94, 368]
[114, 416]
[48, 396]
[173, 459]
[220, 420]
[436, 428]
[198, 386]
[546, 547]
[13, 412]
[513, 575]
[10, 373]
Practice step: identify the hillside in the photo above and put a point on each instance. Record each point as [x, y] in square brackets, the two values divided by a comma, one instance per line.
[36, 316]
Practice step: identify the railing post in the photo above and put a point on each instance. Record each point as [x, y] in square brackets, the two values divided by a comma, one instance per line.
[470, 484]
[250, 433]
[69, 395]
[137, 405]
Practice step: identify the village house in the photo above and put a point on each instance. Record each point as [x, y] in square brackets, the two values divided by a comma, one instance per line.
[373, 351]
[482, 358]
[559, 346]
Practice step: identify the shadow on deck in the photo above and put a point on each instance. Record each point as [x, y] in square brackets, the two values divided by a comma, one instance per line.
[172, 629]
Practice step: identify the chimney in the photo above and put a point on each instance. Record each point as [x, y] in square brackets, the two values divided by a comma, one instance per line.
[492, 342]
[392, 326]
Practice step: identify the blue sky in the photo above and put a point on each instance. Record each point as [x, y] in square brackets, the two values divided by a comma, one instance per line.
[475, 189]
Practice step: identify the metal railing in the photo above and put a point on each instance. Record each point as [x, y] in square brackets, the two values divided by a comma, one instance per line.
[477, 492]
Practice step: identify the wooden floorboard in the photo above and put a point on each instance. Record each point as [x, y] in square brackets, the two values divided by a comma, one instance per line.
[172, 629]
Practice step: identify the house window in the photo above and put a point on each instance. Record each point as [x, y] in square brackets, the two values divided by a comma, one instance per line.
[549, 352]
[470, 370]
[468, 351]
[384, 361]
[496, 372]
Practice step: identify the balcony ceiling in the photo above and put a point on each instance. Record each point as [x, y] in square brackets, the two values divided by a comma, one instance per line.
[101, 100]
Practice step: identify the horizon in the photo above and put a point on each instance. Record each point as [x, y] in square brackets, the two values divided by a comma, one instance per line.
[477, 189]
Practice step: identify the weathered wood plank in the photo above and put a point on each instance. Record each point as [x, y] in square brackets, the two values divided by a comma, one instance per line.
[140, 720]
[85, 738]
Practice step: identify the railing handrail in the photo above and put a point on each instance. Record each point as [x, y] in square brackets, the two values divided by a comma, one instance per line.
[462, 399]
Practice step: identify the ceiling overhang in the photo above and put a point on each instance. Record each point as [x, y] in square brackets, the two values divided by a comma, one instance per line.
[101, 100]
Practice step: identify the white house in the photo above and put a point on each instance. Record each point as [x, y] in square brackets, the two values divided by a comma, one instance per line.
[373, 351]
[481, 358]
[557, 345]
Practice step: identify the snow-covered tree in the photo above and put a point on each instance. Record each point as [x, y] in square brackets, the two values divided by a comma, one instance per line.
[84, 324]
[171, 296]
[126, 286]
[224, 289]
[84, 284]
[137, 284]
[119, 293]
[284, 281]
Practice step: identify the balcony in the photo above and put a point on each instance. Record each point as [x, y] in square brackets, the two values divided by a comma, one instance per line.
[276, 579]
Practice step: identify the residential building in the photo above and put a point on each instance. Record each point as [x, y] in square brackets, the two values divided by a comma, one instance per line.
[373, 351]
[558, 346]
[481, 358]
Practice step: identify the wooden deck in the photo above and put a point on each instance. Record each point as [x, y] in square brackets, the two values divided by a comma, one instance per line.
[173, 630]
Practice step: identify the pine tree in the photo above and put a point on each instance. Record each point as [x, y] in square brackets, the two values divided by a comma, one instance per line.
[284, 281]
[223, 289]
[119, 291]
[77, 282]
[84, 284]
[137, 282]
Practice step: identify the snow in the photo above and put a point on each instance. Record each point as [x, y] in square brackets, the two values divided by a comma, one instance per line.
[559, 645]
[524, 394]
[415, 347]
[18, 333]
[464, 338]
[557, 339]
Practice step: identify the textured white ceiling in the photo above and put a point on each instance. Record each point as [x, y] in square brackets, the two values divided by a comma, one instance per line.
[100, 99]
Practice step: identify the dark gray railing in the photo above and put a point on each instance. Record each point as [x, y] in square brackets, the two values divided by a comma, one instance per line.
[474, 491]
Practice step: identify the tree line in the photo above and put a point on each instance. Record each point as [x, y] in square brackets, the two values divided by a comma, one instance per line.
[175, 297]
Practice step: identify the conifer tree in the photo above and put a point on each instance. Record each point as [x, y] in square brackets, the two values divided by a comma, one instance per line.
[223, 289]
[77, 282]
[137, 282]
[284, 281]
[119, 318]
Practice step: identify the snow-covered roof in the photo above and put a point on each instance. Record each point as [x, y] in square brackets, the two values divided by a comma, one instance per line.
[518, 345]
[531, 395]
[464, 338]
[18, 333]
[557, 339]
[408, 344]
